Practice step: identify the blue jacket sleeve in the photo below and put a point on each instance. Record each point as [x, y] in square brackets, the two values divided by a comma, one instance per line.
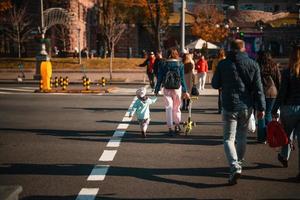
[181, 72]
[160, 76]
[216, 79]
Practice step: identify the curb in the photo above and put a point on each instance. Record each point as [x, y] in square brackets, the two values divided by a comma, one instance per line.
[74, 82]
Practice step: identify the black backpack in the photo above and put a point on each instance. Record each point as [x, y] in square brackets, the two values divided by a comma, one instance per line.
[172, 79]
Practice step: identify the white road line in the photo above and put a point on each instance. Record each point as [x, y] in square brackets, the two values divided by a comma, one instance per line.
[127, 119]
[16, 89]
[87, 194]
[114, 142]
[122, 126]
[98, 173]
[33, 88]
[119, 133]
[5, 92]
[108, 155]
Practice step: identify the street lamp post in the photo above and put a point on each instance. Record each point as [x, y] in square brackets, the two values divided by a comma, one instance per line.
[42, 56]
[78, 41]
[183, 7]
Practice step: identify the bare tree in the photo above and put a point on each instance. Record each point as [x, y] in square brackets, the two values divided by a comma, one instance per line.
[113, 27]
[62, 33]
[158, 15]
[19, 26]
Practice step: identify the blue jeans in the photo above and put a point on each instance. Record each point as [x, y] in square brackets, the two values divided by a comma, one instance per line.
[290, 118]
[262, 123]
[235, 129]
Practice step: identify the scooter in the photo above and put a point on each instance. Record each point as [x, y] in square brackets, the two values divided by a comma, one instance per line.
[189, 124]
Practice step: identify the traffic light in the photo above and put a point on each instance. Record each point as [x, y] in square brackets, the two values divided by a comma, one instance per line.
[242, 35]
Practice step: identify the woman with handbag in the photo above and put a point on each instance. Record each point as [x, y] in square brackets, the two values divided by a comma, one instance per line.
[189, 67]
[270, 76]
[288, 100]
[171, 75]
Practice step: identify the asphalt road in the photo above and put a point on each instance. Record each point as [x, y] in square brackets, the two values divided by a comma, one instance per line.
[52, 144]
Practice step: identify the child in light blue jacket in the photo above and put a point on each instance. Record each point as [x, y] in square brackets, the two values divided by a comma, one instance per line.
[142, 110]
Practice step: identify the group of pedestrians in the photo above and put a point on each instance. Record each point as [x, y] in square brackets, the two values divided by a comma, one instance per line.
[245, 87]
[248, 85]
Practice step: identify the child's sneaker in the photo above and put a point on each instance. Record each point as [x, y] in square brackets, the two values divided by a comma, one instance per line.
[177, 129]
[171, 132]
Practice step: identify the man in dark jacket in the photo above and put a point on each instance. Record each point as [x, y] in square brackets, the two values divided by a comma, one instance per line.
[239, 78]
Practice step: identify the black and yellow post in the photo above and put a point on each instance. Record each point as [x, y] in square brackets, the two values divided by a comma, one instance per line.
[88, 82]
[56, 82]
[51, 82]
[64, 84]
[103, 81]
[61, 81]
[41, 85]
[67, 81]
[83, 81]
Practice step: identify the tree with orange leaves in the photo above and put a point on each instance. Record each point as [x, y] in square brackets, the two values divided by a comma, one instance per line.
[5, 5]
[209, 24]
[155, 13]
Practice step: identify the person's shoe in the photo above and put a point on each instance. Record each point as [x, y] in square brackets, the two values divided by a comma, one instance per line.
[177, 129]
[234, 177]
[282, 161]
[171, 132]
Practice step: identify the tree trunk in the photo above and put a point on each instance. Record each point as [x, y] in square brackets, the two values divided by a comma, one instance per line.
[19, 43]
[110, 62]
[157, 31]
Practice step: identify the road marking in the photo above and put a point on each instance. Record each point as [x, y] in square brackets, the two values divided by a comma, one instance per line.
[108, 155]
[119, 133]
[123, 126]
[87, 194]
[98, 173]
[16, 89]
[127, 119]
[114, 142]
[5, 92]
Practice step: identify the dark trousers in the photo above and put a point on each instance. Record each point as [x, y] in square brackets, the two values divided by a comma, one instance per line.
[262, 123]
[151, 79]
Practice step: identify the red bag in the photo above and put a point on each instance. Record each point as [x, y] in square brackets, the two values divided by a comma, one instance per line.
[276, 136]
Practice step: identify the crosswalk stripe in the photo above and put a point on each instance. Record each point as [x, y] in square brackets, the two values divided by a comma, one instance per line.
[87, 194]
[98, 173]
[108, 155]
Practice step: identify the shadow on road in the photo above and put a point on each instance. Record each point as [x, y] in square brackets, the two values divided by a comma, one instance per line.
[159, 175]
[46, 169]
[62, 133]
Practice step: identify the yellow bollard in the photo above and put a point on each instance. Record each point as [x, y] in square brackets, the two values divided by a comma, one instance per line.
[46, 72]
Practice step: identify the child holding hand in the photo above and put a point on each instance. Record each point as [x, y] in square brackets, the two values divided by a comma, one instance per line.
[141, 107]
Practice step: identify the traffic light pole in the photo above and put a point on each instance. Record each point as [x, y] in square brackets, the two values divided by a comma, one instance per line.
[182, 44]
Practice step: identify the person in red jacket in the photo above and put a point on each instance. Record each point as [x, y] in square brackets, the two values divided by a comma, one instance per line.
[149, 62]
[202, 69]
